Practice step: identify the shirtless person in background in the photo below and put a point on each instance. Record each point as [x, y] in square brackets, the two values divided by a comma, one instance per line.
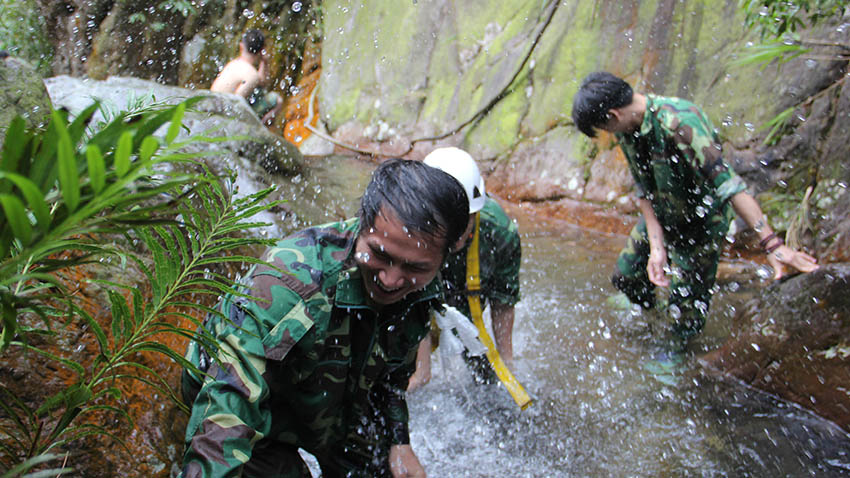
[246, 75]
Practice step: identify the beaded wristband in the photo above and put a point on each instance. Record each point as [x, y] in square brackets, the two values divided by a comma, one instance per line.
[763, 242]
[779, 242]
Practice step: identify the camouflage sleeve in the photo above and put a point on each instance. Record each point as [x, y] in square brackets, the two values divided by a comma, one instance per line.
[696, 139]
[391, 393]
[395, 411]
[503, 287]
[228, 415]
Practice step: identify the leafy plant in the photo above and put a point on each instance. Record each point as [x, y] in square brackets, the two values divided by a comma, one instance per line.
[764, 54]
[777, 22]
[775, 18]
[67, 202]
[27, 465]
[184, 7]
[799, 223]
[776, 125]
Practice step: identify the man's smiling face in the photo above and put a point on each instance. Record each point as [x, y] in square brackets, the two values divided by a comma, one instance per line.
[395, 261]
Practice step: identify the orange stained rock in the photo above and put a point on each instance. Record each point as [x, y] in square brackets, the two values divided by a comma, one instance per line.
[298, 110]
[302, 107]
[155, 425]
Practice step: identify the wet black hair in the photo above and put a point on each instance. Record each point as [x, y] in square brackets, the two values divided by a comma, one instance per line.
[426, 200]
[599, 92]
[254, 41]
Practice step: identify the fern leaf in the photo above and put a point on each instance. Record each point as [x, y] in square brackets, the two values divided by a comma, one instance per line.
[147, 149]
[72, 365]
[120, 316]
[19, 470]
[172, 261]
[97, 330]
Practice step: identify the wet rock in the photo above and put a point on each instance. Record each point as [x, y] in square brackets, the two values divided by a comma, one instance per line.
[610, 180]
[21, 94]
[794, 341]
[539, 169]
[221, 115]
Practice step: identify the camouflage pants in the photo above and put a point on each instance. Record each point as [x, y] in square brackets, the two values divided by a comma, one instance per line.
[694, 262]
[363, 454]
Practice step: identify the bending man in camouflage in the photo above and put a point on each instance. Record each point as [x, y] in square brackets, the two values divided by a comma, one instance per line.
[499, 254]
[321, 359]
[686, 194]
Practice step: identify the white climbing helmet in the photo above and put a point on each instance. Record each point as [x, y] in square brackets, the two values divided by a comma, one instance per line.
[460, 165]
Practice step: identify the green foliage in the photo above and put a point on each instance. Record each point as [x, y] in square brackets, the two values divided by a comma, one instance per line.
[766, 53]
[23, 33]
[776, 18]
[776, 125]
[778, 22]
[183, 7]
[22, 469]
[69, 200]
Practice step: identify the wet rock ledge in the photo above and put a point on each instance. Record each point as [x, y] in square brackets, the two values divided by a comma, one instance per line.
[794, 341]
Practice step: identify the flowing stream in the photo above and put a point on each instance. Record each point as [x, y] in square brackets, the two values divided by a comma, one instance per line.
[597, 412]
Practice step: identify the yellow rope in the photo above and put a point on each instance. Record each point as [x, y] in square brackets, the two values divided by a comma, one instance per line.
[473, 274]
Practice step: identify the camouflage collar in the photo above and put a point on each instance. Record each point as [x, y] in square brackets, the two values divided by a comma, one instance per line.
[648, 115]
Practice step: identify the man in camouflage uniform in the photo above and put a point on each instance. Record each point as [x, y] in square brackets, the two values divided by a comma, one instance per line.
[686, 194]
[320, 356]
[499, 253]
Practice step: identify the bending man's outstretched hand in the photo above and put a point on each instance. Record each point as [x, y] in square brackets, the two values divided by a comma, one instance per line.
[404, 464]
[784, 255]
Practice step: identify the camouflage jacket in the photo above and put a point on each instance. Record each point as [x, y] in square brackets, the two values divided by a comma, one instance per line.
[499, 252]
[305, 365]
[677, 163]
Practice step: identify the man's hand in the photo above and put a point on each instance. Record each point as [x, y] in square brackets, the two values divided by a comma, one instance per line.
[796, 259]
[419, 378]
[656, 265]
[404, 464]
[657, 250]
[422, 375]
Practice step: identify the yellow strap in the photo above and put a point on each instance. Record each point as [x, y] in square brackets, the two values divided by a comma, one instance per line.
[473, 285]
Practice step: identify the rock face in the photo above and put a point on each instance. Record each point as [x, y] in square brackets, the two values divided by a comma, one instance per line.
[794, 341]
[261, 161]
[501, 84]
[21, 94]
[221, 115]
[175, 43]
[497, 78]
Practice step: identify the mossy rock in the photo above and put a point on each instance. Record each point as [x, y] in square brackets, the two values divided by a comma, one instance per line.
[22, 94]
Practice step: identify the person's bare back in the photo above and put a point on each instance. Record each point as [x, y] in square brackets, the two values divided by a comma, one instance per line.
[246, 76]
[238, 77]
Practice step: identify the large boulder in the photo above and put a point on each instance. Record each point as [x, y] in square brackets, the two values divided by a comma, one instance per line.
[260, 157]
[794, 341]
[220, 115]
[21, 94]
